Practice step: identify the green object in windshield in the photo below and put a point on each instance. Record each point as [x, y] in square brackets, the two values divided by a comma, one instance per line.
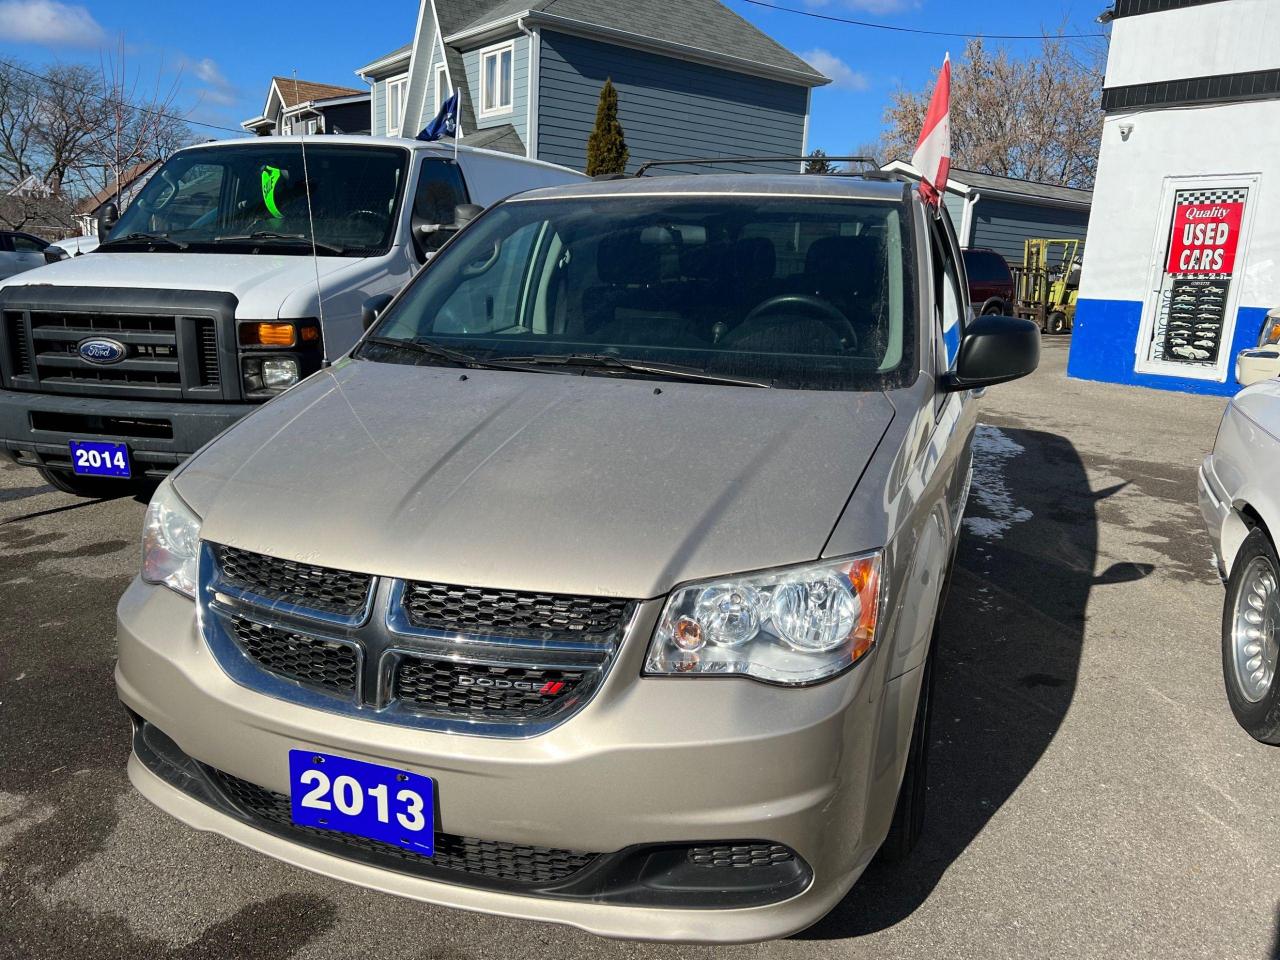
[270, 177]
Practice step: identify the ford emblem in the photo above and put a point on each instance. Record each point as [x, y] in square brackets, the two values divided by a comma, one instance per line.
[102, 350]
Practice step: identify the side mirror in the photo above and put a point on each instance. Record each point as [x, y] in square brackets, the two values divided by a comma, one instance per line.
[994, 350]
[464, 213]
[1254, 366]
[107, 218]
[372, 309]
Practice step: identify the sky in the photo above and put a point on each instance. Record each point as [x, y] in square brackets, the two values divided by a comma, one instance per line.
[221, 56]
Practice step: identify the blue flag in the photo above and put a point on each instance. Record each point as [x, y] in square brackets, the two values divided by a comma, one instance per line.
[445, 123]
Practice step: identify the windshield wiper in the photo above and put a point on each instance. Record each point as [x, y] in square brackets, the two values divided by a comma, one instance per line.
[155, 239]
[607, 361]
[428, 349]
[295, 239]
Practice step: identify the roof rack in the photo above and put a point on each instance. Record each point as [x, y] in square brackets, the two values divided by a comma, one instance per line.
[870, 162]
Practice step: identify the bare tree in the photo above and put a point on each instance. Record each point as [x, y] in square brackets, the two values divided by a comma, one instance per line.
[140, 125]
[19, 105]
[69, 121]
[1036, 119]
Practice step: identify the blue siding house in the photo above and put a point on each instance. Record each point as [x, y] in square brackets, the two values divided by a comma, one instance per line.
[694, 79]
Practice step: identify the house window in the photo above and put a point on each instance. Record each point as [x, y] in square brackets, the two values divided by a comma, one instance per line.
[496, 81]
[396, 90]
[443, 90]
[311, 127]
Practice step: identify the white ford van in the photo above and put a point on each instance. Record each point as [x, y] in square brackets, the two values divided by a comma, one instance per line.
[240, 268]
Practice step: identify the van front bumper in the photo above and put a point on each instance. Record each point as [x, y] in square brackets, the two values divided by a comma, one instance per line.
[36, 428]
[648, 767]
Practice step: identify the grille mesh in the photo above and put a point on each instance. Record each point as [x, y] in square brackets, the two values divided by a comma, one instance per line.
[439, 606]
[308, 660]
[740, 855]
[496, 860]
[479, 691]
[317, 588]
[16, 331]
[207, 353]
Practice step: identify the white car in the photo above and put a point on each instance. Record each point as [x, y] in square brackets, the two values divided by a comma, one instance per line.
[71, 247]
[1241, 506]
[20, 252]
[1263, 361]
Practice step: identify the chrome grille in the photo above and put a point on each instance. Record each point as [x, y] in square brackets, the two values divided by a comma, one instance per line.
[454, 688]
[346, 643]
[316, 588]
[327, 664]
[438, 606]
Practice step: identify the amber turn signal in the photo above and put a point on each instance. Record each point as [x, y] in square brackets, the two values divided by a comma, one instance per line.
[268, 335]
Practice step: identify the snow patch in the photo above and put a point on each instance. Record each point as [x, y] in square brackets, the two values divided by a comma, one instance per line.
[992, 449]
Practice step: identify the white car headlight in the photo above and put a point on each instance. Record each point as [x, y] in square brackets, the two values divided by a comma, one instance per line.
[170, 542]
[794, 626]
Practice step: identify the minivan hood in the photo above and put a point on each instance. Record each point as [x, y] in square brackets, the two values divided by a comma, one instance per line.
[261, 282]
[531, 481]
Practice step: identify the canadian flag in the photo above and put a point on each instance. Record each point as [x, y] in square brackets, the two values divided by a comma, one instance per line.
[933, 153]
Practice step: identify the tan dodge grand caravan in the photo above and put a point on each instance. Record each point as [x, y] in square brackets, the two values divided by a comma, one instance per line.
[598, 583]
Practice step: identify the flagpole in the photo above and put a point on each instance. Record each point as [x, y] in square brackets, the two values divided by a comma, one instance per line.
[457, 125]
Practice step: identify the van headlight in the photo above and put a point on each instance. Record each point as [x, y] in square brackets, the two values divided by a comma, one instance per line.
[170, 542]
[795, 626]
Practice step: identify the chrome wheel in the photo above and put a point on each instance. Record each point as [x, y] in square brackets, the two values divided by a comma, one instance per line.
[1255, 644]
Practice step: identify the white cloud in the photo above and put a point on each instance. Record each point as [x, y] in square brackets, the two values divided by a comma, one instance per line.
[843, 76]
[50, 23]
[215, 87]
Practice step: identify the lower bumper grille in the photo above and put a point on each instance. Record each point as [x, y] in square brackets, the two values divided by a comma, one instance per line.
[711, 874]
[493, 859]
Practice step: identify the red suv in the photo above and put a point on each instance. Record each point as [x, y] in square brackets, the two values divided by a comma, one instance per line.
[990, 282]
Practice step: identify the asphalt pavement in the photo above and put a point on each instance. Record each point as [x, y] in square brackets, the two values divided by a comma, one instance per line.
[1090, 793]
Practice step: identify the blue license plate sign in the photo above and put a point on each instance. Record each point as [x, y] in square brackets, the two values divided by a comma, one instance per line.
[99, 458]
[363, 799]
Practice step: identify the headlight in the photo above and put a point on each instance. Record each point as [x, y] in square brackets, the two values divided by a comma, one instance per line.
[267, 376]
[170, 542]
[794, 626]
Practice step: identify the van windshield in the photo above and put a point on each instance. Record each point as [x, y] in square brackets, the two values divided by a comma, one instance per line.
[788, 292]
[254, 198]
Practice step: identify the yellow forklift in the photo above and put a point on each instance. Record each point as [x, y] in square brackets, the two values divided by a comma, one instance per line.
[1047, 284]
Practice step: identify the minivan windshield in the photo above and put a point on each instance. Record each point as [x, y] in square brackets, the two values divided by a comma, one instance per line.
[790, 292]
[254, 198]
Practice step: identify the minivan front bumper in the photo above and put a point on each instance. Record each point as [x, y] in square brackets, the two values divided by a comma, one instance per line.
[649, 763]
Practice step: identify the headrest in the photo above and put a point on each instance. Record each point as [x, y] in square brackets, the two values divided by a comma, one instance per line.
[841, 255]
[624, 259]
[754, 258]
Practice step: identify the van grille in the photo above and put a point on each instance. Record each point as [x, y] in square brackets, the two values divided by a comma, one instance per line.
[207, 353]
[346, 642]
[16, 335]
[438, 606]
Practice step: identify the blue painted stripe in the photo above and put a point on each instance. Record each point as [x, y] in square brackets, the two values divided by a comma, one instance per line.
[1103, 339]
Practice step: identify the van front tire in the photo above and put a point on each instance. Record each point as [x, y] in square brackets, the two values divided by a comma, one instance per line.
[92, 488]
[908, 814]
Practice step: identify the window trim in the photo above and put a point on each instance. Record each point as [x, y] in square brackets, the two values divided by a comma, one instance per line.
[401, 82]
[441, 73]
[495, 52]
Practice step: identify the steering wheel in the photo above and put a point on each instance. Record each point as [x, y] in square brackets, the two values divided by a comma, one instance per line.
[823, 309]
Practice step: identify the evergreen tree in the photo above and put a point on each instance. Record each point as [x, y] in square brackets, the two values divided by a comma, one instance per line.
[818, 163]
[607, 148]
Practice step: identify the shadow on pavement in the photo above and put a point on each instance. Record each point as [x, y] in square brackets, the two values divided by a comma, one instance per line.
[1008, 660]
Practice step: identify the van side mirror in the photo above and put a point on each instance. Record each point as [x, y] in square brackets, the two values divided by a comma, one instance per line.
[372, 309]
[994, 350]
[108, 216]
[464, 213]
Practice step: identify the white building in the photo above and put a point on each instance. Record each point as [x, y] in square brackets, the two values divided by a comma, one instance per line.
[1184, 239]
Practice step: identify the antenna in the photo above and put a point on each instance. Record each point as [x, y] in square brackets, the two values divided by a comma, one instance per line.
[311, 219]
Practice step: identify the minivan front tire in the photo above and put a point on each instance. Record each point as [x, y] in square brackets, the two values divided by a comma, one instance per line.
[908, 814]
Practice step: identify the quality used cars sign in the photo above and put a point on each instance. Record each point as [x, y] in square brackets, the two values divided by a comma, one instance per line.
[1205, 236]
